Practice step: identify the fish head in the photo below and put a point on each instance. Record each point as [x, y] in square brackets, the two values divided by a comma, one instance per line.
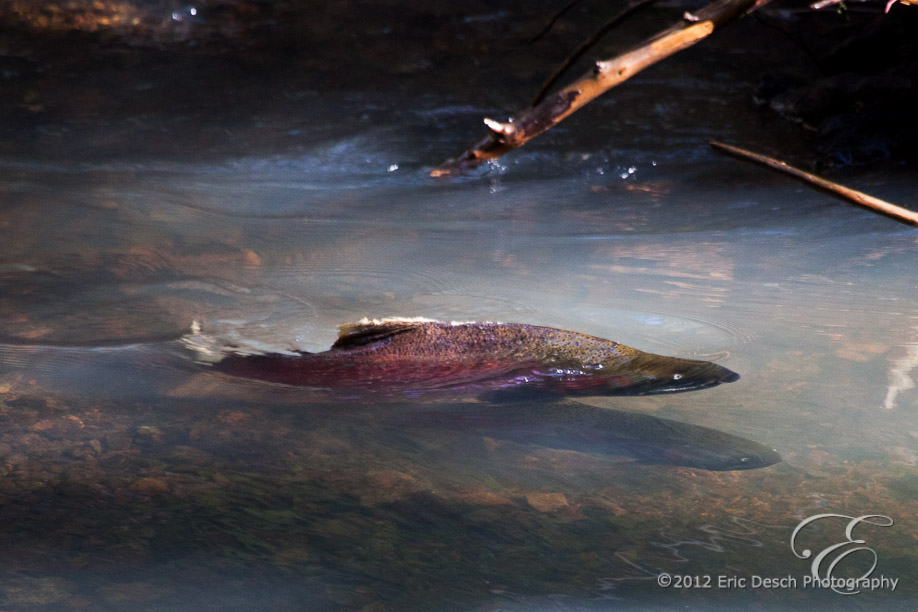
[655, 374]
[723, 458]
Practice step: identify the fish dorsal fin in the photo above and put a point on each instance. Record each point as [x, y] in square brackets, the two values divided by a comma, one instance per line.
[366, 331]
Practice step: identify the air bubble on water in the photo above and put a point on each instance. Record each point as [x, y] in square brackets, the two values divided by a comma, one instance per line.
[495, 170]
[185, 12]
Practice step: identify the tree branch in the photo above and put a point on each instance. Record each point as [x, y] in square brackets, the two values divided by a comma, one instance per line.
[586, 45]
[558, 16]
[528, 124]
[902, 215]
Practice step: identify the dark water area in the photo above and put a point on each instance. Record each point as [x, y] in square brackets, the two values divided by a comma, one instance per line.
[258, 171]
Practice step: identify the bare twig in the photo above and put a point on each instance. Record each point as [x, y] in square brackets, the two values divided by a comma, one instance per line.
[902, 215]
[585, 46]
[555, 19]
[821, 4]
[524, 126]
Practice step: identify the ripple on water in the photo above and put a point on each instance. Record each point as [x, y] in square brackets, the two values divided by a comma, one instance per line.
[665, 333]
[45, 309]
[383, 275]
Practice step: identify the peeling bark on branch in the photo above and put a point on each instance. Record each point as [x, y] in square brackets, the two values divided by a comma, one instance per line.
[526, 125]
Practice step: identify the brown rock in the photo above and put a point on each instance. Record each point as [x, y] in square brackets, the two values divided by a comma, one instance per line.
[150, 486]
[483, 497]
[234, 417]
[547, 502]
[43, 425]
[861, 353]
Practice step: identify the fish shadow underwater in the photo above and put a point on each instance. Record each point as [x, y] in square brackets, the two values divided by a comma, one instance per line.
[506, 381]
[572, 426]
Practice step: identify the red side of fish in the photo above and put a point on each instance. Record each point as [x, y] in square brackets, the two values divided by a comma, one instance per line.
[414, 358]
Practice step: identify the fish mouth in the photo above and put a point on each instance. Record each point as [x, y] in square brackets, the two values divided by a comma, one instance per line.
[731, 455]
[652, 375]
[713, 376]
[703, 376]
[766, 457]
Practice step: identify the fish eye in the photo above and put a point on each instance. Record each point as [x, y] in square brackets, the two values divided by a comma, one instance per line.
[677, 376]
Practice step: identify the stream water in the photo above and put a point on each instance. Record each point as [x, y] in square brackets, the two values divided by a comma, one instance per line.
[268, 196]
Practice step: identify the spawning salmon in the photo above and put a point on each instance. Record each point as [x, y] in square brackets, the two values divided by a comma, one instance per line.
[421, 357]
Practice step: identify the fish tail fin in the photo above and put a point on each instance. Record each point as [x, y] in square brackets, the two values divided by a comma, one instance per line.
[206, 348]
[209, 350]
